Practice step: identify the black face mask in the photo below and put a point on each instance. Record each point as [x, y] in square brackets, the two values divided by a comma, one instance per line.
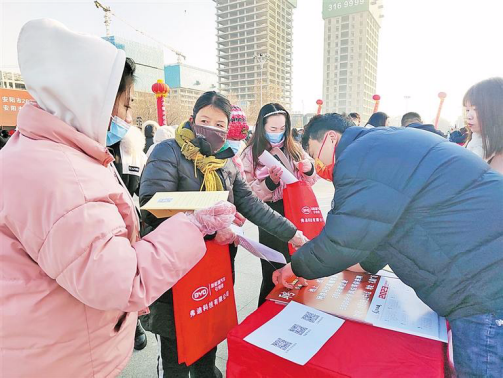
[213, 136]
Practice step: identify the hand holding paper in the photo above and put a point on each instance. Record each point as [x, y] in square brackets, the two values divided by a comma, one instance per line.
[269, 161]
[225, 236]
[214, 218]
[275, 174]
[239, 220]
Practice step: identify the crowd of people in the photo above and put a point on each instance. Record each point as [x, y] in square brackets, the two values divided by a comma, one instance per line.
[79, 260]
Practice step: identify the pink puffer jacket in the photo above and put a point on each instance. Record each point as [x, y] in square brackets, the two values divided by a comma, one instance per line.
[73, 272]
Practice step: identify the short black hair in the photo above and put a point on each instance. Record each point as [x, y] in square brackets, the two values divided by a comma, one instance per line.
[214, 99]
[354, 115]
[410, 117]
[318, 126]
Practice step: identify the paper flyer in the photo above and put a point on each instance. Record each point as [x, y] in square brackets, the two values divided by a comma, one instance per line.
[257, 249]
[384, 302]
[296, 334]
[167, 204]
[270, 161]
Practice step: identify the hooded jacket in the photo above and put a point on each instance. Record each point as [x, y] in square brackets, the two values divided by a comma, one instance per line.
[73, 270]
[400, 200]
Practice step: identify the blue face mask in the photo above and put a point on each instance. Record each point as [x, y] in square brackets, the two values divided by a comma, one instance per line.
[118, 129]
[235, 145]
[275, 137]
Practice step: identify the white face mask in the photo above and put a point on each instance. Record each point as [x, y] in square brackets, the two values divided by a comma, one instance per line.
[235, 145]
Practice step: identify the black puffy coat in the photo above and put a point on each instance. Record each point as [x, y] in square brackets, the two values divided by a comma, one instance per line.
[149, 137]
[167, 170]
[430, 209]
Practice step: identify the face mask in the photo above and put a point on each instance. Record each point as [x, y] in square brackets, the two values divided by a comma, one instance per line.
[215, 136]
[275, 137]
[325, 171]
[118, 129]
[235, 145]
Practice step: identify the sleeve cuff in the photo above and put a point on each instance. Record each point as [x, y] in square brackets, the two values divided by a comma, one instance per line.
[311, 172]
[210, 237]
[270, 184]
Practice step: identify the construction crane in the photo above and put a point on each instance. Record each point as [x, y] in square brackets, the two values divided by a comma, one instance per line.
[108, 12]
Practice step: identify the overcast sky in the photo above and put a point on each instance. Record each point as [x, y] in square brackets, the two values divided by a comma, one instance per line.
[425, 46]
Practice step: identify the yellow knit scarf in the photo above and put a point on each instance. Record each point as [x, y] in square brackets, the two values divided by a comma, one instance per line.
[208, 165]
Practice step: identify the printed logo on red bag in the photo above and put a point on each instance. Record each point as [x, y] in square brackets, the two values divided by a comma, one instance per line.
[306, 210]
[200, 293]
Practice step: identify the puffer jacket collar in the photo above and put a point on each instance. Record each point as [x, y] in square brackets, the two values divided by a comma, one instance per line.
[349, 136]
[35, 123]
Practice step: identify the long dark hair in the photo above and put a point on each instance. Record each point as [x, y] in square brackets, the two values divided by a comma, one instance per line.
[259, 142]
[378, 119]
[487, 97]
[214, 99]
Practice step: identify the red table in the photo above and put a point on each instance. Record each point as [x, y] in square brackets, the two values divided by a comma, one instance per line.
[356, 350]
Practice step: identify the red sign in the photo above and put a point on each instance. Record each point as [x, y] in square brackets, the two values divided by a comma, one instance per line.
[11, 102]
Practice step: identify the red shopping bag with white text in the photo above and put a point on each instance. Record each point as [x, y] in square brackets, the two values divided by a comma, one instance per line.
[204, 304]
[302, 209]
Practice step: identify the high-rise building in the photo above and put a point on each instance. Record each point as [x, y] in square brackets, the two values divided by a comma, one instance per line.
[149, 61]
[350, 55]
[255, 50]
[186, 84]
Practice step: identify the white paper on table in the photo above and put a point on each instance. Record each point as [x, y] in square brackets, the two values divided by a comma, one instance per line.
[397, 307]
[297, 333]
[270, 161]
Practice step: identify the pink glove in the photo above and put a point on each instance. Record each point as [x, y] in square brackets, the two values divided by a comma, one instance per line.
[304, 166]
[225, 236]
[239, 220]
[214, 218]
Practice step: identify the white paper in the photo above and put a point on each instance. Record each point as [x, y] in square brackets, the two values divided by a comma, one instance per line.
[270, 161]
[297, 333]
[397, 307]
[255, 248]
[260, 250]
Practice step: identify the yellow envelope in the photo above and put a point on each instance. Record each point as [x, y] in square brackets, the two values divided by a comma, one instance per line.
[167, 204]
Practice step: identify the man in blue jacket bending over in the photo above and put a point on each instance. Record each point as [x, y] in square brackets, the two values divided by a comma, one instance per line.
[431, 210]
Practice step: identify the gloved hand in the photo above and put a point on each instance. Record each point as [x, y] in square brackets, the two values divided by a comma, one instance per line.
[212, 219]
[275, 174]
[298, 240]
[239, 220]
[304, 166]
[225, 236]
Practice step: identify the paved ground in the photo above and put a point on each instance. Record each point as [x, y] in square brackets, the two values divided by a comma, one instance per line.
[248, 279]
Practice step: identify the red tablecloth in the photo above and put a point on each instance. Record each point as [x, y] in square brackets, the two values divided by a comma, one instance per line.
[356, 350]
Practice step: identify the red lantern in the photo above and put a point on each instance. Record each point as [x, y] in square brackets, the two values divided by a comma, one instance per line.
[161, 90]
[377, 100]
[319, 103]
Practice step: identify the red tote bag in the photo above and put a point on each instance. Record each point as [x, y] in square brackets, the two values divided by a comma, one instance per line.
[302, 209]
[204, 305]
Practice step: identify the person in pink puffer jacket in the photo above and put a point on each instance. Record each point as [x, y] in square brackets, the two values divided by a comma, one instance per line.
[273, 133]
[74, 272]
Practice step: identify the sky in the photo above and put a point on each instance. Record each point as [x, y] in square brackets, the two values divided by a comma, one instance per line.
[425, 47]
